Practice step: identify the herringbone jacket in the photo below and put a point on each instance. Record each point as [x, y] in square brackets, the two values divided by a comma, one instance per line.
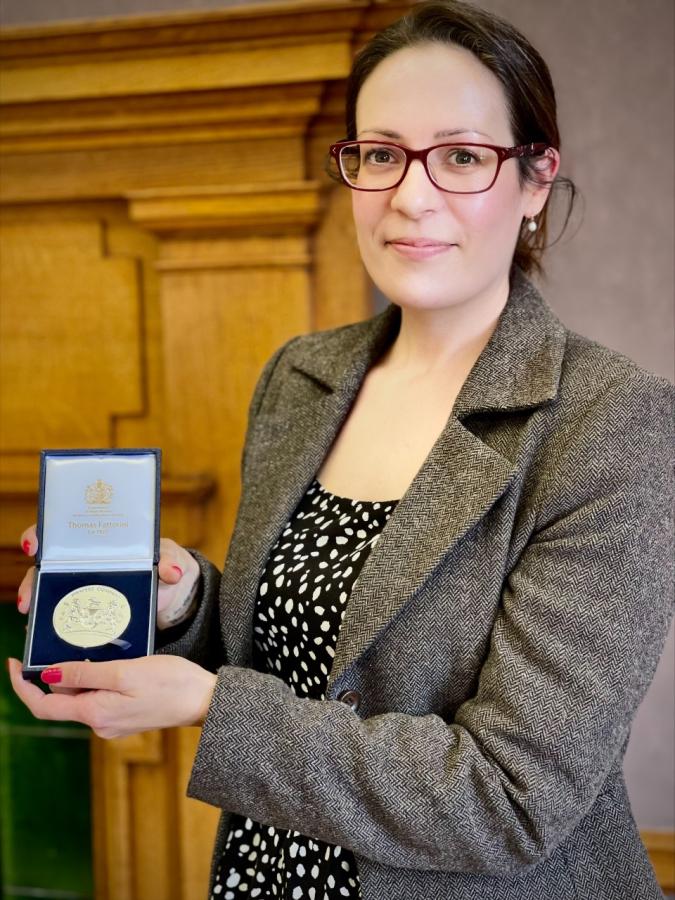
[500, 635]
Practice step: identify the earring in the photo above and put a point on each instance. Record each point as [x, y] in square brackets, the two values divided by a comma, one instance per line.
[532, 225]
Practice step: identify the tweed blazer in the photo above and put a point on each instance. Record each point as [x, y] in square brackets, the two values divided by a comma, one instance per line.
[501, 634]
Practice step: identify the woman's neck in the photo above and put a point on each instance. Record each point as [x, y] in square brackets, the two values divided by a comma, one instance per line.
[434, 341]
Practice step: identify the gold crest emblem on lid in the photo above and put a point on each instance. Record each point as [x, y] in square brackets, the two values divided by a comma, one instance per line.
[99, 493]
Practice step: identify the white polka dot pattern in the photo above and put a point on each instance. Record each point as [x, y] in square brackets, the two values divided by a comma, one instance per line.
[302, 597]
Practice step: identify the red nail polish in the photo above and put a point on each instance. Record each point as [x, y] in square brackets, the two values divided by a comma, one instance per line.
[18, 600]
[51, 676]
[26, 547]
[178, 569]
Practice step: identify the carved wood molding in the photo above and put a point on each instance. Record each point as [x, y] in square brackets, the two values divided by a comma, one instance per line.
[279, 62]
[251, 24]
[153, 80]
[254, 208]
[158, 119]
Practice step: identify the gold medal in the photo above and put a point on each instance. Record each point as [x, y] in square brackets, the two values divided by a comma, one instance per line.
[91, 616]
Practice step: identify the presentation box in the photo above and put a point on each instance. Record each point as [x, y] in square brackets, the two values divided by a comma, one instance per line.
[95, 586]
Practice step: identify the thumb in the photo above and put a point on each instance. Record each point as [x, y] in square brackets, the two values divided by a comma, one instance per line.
[169, 571]
[84, 675]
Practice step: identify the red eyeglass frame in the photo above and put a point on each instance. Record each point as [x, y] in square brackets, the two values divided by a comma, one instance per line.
[503, 153]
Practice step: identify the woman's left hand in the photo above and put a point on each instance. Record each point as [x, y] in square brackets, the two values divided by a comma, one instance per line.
[116, 699]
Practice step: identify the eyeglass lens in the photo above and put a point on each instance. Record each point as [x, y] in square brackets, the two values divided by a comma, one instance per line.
[379, 166]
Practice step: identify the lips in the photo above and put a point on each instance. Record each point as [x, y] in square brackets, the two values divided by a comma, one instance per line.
[418, 248]
[419, 242]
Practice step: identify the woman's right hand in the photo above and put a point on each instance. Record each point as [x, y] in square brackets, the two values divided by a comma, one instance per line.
[178, 576]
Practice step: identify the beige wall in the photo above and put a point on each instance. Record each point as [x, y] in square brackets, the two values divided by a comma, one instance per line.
[612, 62]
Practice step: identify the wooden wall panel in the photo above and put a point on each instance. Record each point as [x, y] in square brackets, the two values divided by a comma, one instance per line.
[146, 425]
[196, 823]
[70, 333]
[661, 848]
[166, 225]
[218, 328]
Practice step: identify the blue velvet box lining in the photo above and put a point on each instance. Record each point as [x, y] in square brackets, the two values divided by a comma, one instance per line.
[45, 647]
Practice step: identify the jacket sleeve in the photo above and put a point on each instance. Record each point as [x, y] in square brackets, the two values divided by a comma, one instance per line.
[581, 623]
[198, 639]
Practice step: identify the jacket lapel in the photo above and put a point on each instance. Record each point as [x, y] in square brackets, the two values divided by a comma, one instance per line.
[287, 447]
[459, 481]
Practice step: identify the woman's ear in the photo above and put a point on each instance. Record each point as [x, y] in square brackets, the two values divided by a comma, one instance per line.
[538, 186]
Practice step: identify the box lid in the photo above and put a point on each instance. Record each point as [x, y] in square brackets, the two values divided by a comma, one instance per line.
[99, 506]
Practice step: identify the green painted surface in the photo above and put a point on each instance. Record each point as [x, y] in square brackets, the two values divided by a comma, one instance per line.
[45, 798]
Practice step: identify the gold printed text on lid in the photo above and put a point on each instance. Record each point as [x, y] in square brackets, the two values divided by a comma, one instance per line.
[91, 616]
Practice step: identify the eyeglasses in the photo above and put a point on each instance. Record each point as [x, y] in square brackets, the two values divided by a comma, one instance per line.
[465, 168]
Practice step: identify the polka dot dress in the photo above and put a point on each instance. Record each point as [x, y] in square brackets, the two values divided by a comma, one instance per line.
[302, 596]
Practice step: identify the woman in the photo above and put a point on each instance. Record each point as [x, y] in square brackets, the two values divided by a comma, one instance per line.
[447, 588]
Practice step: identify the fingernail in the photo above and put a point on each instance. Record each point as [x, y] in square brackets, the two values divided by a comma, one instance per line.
[178, 569]
[18, 600]
[51, 676]
[26, 547]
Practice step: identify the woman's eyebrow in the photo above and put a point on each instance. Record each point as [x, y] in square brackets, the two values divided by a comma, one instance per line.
[389, 134]
[439, 134]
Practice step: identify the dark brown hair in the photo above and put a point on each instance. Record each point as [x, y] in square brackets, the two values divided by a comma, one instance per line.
[511, 58]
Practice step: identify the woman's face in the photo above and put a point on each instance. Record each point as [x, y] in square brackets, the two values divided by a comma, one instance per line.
[420, 96]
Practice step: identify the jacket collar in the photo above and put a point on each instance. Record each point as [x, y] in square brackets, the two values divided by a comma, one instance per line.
[459, 482]
[519, 367]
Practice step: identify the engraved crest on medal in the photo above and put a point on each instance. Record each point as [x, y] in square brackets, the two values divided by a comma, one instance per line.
[91, 616]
